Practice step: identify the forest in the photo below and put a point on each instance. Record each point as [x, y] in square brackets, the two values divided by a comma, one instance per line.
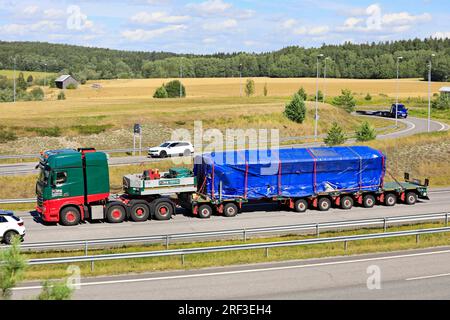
[360, 61]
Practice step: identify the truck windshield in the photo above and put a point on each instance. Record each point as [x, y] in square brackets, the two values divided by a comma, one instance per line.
[43, 175]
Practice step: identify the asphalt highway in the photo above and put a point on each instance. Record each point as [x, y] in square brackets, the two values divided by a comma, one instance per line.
[251, 217]
[413, 274]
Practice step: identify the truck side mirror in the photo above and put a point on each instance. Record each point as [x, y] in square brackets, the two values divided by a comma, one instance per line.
[406, 176]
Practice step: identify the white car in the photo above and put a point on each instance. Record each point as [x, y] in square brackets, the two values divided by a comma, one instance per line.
[171, 148]
[10, 226]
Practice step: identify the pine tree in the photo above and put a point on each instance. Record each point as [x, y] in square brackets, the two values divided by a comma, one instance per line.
[365, 132]
[345, 100]
[249, 87]
[295, 110]
[302, 93]
[265, 91]
[335, 135]
[160, 93]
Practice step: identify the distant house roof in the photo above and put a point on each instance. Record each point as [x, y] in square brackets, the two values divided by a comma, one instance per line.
[63, 77]
[445, 89]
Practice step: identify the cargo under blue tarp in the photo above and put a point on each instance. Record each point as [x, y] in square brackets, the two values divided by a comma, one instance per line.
[296, 172]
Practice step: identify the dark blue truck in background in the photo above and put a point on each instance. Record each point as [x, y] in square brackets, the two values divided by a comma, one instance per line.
[402, 112]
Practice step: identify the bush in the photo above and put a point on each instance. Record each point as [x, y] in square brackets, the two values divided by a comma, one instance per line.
[296, 110]
[160, 93]
[46, 132]
[6, 136]
[173, 89]
[335, 136]
[61, 95]
[265, 91]
[55, 291]
[71, 86]
[345, 101]
[302, 93]
[249, 87]
[368, 97]
[320, 96]
[30, 79]
[12, 268]
[37, 94]
[365, 132]
[441, 103]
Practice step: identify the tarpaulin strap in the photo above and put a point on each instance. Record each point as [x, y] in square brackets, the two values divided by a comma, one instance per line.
[212, 181]
[203, 184]
[279, 178]
[246, 180]
[360, 167]
[314, 169]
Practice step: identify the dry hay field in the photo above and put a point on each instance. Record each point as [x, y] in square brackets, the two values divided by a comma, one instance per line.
[103, 117]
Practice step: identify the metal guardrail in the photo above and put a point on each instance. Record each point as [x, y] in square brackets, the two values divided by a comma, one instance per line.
[244, 233]
[264, 245]
[13, 201]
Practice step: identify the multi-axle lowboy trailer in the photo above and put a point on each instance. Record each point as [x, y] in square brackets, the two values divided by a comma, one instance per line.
[73, 185]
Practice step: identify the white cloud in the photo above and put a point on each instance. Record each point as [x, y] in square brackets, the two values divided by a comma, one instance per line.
[54, 14]
[210, 6]
[209, 40]
[20, 29]
[143, 35]
[31, 10]
[352, 22]
[312, 31]
[404, 18]
[215, 26]
[289, 23]
[441, 35]
[157, 17]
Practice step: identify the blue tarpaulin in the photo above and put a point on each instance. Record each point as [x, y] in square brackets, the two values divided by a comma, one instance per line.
[296, 172]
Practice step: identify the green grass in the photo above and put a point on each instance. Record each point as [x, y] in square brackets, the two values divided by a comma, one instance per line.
[36, 74]
[237, 257]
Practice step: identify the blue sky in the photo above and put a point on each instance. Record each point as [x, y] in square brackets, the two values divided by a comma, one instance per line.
[208, 26]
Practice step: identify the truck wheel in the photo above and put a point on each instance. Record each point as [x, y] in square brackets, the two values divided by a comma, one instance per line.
[70, 216]
[368, 201]
[324, 204]
[300, 205]
[9, 236]
[346, 202]
[230, 210]
[411, 198]
[204, 211]
[163, 154]
[139, 211]
[162, 209]
[115, 213]
[390, 199]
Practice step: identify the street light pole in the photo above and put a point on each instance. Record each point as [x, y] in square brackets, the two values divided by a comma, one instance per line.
[325, 78]
[316, 117]
[396, 100]
[181, 77]
[240, 80]
[45, 75]
[429, 94]
[14, 77]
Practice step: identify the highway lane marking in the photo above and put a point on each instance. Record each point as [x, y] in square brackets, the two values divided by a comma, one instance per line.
[429, 277]
[224, 273]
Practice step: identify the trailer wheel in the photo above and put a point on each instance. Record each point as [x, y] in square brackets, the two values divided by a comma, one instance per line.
[230, 210]
[411, 198]
[346, 202]
[139, 210]
[162, 209]
[204, 211]
[368, 201]
[300, 205]
[115, 213]
[390, 199]
[324, 204]
[70, 216]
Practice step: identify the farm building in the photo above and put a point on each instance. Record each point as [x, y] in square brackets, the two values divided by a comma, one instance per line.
[63, 81]
[445, 91]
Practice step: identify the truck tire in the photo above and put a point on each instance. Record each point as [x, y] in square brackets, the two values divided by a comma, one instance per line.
[390, 199]
[70, 216]
[324, 204]
[346, 202]
[9, 236]
[162, 209]
[411, 198]
[163, 154]
[204, 211]
[368, 201]
[301, 205]
[230, 210]
[115, 213]
[139, 210]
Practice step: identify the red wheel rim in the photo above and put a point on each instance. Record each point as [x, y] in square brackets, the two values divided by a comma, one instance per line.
[140, 212]
[70, 216]
[163, 211]
[116, 213]
[205, 212]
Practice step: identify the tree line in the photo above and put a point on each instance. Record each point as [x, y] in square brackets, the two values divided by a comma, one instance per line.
[360, 61]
